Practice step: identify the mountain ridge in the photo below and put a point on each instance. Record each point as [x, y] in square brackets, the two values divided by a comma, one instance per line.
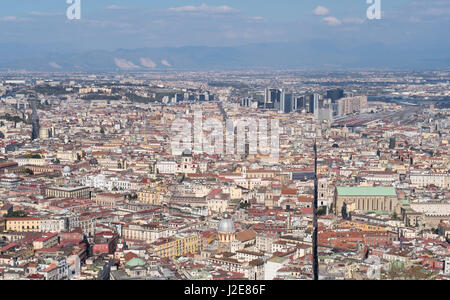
[313, 54]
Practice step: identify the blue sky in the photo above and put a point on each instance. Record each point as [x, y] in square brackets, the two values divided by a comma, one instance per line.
[112, 24]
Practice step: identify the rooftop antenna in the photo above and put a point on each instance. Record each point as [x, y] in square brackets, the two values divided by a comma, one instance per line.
[315, 226]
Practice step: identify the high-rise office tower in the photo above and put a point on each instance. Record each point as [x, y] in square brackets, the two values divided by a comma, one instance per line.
[207, 96]
[335, 94]
[272, 98]
[324, 111]
[179, 97]
[286, 102]
[299, 103]
[320, 107]
[313, 103]
[246, 102]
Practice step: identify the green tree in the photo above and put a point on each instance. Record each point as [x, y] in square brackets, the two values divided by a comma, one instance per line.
[27, 171]
[322, 211]
[392, 143]
[32, 155]
[17, 214]
[344, 211]
[244, 205]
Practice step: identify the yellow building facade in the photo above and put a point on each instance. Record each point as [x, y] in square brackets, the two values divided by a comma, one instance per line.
[23, 224]
[362, 226]
[175, 246]
[150, 196]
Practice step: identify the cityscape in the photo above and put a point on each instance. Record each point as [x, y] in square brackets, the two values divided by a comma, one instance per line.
[149, 170]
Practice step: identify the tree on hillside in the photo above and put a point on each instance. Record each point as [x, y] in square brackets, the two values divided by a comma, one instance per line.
[344, 211]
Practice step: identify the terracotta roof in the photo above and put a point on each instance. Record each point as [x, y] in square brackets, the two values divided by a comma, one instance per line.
[129, 256]
[246, 235]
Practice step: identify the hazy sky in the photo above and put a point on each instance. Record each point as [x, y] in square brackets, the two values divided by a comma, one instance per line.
[112, 24]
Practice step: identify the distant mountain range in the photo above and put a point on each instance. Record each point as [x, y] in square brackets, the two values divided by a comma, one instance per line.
[317, 54]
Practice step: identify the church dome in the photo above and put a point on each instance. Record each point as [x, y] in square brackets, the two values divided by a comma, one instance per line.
[186, 153]
[226, 225]
[135, 261]
[66, 170]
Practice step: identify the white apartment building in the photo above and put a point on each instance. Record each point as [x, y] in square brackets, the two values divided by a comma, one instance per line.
[166, 167]
[423, 180]
[217, 205]
[143, 233]
[54, 225]
[264, 242]
[109, 183]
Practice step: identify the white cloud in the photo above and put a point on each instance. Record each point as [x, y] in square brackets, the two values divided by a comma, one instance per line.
[321, 11]
[111, 7]
[422, 11]
[442, 11]
[125, 64]
[147, 62]
[203, 8]
[256, 19]
[332, 21]
[165, 63]
[13, 19]
[54, 65]
[106, 24]
[353, 20]
[9, 18]
[43, 14]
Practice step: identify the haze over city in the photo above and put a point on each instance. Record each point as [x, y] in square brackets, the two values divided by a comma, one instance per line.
[288, 34]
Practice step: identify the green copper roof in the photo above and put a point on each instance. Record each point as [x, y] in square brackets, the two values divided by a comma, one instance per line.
[135, 262]
[366, 191]
[277, 259]
[377, 212]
